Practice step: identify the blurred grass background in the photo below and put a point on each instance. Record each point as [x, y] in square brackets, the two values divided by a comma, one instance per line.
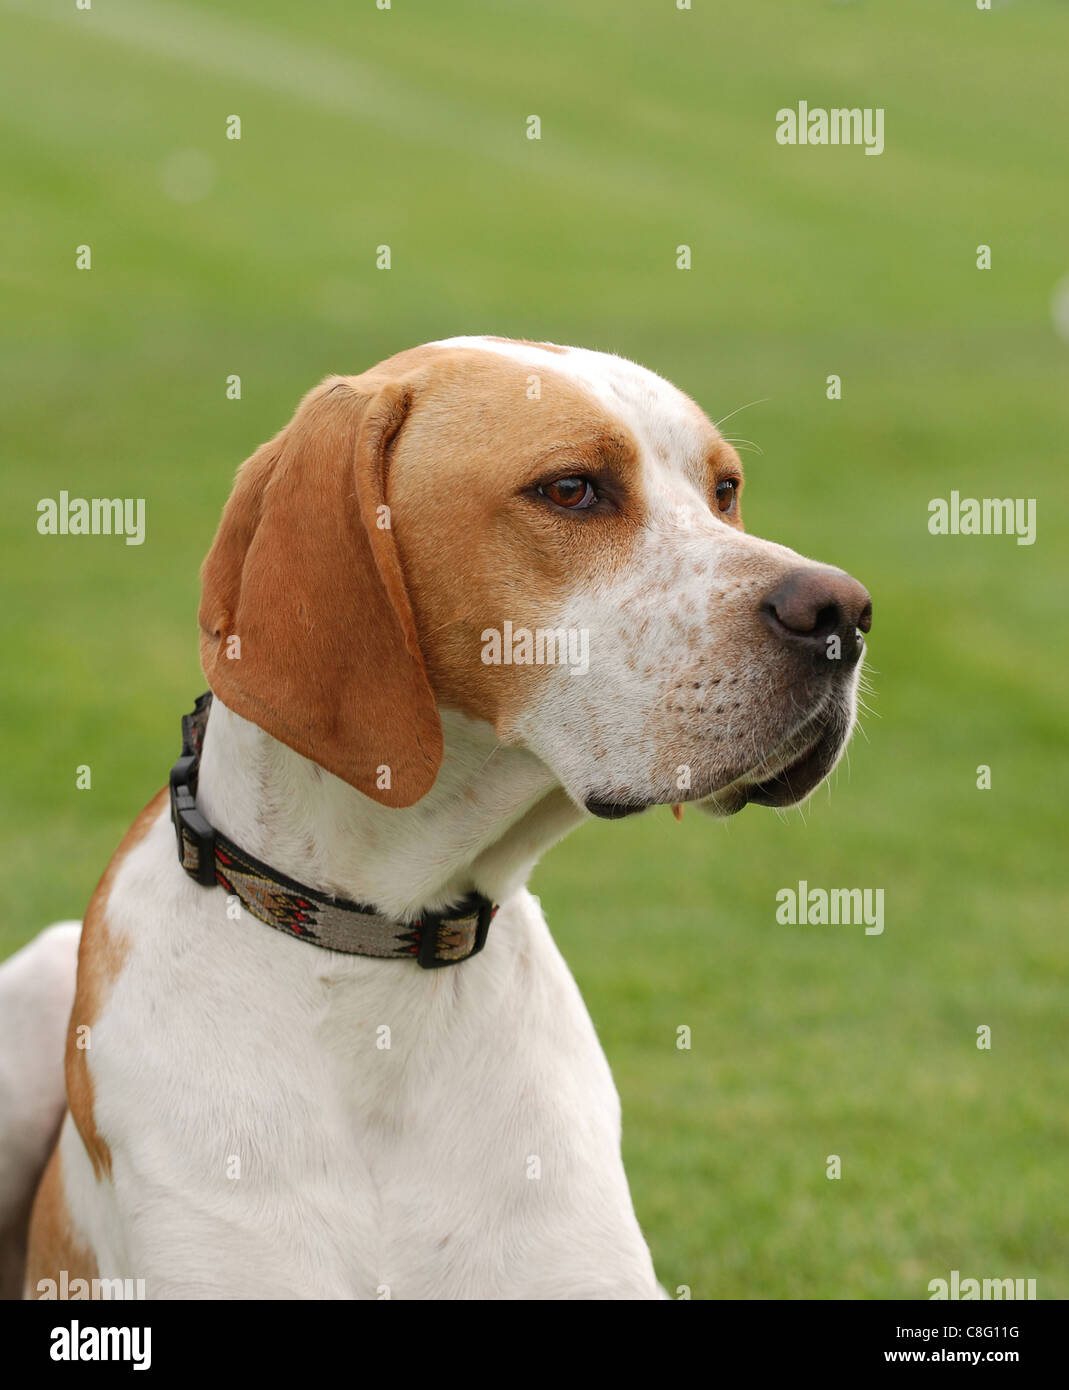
[257, 257]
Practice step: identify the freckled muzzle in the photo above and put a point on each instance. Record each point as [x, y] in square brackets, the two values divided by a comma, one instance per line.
[772, 735]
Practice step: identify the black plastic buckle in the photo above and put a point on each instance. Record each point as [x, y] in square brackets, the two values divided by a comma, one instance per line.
[431, 921]
[185, 816]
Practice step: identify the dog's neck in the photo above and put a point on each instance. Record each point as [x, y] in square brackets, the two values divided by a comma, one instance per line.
[491, 814]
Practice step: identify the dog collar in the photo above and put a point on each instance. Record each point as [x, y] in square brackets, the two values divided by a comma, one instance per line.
[434, 939]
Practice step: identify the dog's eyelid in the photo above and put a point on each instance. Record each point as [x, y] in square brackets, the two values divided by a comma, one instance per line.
[604, 480]
[605, 460]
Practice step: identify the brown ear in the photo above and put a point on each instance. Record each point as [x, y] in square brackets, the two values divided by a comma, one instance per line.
[305, 572]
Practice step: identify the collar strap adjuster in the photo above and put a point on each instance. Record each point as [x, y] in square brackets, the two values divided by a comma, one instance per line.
[431, 923]
[191, 830]
[195, 837]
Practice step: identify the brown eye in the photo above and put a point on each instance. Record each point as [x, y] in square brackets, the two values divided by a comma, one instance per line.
[726, 493]
[572, 493]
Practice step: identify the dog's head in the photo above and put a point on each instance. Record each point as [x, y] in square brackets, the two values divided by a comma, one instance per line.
[546, 539]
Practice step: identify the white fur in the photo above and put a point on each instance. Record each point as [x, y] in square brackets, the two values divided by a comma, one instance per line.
[36, 992]
[478, 1156]
[361, 1167]
[667, 698]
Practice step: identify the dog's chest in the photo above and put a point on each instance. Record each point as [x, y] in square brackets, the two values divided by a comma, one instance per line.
[286, 1121]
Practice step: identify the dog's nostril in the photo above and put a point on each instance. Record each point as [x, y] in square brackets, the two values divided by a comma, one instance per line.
[811, 604]
[801, 621]
[827, 620]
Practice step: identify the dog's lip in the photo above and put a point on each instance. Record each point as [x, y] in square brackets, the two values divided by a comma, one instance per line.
[792, 782]
[781, 789]
[795, 781]
[616, 810]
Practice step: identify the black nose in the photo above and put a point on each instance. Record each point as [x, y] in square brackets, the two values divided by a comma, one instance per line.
[810, 607]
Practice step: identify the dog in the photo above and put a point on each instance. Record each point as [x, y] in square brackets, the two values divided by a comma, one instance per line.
[321, 1043]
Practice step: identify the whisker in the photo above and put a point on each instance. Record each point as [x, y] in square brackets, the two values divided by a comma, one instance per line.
[744, 444]
[730, 413]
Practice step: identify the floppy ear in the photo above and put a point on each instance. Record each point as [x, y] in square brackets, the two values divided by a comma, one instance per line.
[304, 571]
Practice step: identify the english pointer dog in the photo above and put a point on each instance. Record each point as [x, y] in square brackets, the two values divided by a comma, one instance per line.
[321, 1043]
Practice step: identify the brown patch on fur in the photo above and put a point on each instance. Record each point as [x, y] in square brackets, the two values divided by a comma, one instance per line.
[54, 1245]
[724, 462]
[100, 959]
[304, 570]
[351, 633]
[478, 546]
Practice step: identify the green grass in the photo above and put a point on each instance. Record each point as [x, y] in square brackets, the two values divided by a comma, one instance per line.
[406, 127]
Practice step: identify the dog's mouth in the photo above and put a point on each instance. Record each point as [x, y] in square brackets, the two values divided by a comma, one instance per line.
[794, 782]
[821, 743]
[617, 810]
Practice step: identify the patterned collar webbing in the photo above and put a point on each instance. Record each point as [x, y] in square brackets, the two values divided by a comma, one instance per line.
[433, 939]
